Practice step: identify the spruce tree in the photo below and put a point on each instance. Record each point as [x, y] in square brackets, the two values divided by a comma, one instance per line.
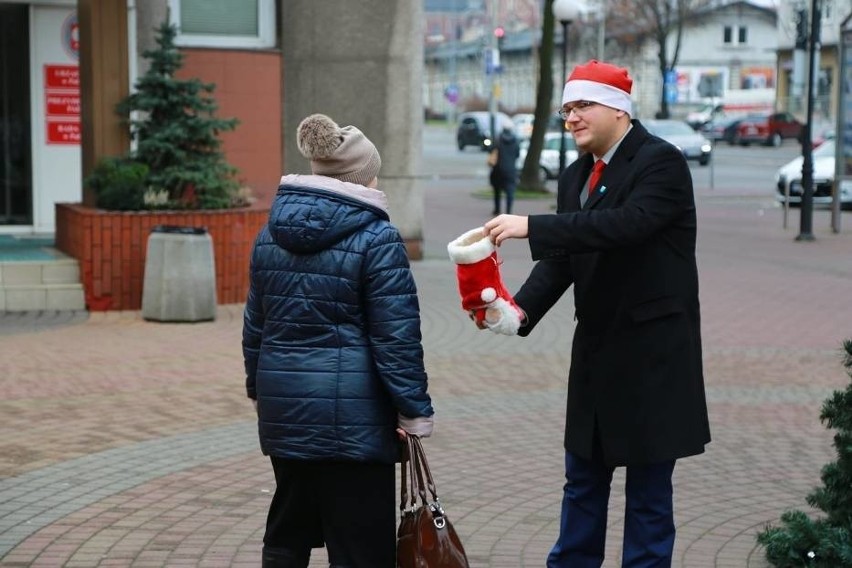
[177, 132]
[825, 542]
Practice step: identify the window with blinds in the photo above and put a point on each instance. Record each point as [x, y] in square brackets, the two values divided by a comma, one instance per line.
[219, 17]
[224, 23]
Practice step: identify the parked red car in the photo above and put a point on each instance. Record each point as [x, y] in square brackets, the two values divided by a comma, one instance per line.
[769, 129]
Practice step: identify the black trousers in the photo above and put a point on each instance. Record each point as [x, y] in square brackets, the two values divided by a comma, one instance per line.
[350, 507]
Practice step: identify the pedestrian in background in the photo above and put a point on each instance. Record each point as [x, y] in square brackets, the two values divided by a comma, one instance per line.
[624, 235]
[504, 173]
[333, 358]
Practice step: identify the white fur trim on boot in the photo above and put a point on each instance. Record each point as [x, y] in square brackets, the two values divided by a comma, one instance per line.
[501, 317]
[471, 247]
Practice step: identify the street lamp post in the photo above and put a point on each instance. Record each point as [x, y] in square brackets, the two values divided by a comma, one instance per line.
[565, 12]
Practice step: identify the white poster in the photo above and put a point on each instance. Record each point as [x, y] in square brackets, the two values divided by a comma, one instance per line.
[697, 84]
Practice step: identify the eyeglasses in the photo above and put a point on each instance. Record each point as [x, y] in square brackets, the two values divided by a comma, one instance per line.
[579, 108]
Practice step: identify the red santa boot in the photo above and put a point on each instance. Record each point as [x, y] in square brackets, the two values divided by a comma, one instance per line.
[480, 285]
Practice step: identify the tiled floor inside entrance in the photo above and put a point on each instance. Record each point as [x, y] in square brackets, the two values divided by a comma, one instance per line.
[28, 247]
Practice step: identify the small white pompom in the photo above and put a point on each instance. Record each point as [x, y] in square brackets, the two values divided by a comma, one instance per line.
[488, 294]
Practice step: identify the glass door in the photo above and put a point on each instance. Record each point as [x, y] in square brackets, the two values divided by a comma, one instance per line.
[16, 194]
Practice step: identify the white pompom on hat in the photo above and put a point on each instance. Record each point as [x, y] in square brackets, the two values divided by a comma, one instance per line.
[344, 153]
[601, 83]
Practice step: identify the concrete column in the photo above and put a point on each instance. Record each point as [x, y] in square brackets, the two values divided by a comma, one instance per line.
[360, 63]
[149, 15]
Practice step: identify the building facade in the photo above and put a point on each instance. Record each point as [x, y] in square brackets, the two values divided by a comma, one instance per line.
[725, 49]
[40, 128]
[733, 43]
[65, 64]
[792, 60]
[44, 126]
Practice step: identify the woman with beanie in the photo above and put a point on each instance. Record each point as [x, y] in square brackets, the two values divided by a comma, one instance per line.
[333, 357]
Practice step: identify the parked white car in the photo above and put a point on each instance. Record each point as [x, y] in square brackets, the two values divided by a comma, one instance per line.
[790, 176]
[523, 125]
[549, 161]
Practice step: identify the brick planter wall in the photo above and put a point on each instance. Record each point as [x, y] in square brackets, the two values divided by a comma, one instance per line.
[111, 245]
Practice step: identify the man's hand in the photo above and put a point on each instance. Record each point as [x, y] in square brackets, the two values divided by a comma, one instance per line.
[480, 323]
[505, 227]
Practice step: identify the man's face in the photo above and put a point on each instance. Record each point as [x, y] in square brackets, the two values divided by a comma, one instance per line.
[595, 127]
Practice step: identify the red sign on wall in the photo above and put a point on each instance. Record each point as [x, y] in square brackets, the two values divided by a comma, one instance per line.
[63, 132]
[61, 77]
[62, 103]
[57, 104]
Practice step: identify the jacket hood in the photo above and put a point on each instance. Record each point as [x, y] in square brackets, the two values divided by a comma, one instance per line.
[507, 135]
[312, 213]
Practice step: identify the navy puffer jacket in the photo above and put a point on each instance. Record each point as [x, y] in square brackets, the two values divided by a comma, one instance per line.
[331, 335]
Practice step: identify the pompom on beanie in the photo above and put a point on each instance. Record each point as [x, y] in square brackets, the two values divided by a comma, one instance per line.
[341, 153]
[601, 83]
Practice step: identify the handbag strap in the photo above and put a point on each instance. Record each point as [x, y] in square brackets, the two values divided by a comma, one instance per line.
[403, 485]
[408, 484]
[416, 476]
[417, 447]
[439, 518]
[417, 460]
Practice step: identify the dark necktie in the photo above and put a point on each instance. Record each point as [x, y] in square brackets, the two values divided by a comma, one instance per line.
[595, 176]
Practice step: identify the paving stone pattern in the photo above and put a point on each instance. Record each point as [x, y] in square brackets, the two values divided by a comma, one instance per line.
[130, 443]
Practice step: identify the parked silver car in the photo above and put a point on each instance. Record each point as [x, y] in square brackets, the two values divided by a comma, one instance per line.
[678, 133]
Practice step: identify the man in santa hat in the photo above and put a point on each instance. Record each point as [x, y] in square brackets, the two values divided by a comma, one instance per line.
[624, 235]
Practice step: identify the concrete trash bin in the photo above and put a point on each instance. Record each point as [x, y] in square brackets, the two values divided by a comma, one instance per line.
[180, 275]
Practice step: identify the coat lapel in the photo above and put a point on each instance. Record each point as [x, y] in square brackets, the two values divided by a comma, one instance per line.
[615, 169]
[586, 163]
[602, 189]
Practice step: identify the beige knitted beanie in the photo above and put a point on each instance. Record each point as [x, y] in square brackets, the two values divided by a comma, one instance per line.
[342, 153]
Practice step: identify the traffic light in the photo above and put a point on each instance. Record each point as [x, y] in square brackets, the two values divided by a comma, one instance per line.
[499, 33]
[801, 29]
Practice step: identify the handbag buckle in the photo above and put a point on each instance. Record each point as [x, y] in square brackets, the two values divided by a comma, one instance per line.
[438, 515]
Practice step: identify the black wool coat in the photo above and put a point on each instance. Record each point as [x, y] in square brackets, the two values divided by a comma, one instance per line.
[636, 366]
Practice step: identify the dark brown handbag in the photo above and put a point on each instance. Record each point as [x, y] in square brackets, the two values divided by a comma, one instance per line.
[426, 537]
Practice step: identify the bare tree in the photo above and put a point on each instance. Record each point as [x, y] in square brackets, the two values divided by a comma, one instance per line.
[638, 20]
[530, 172]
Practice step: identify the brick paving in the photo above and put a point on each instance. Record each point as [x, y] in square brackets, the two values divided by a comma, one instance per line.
[130, 443]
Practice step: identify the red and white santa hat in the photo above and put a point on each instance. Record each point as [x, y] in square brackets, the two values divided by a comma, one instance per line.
[600, 83]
